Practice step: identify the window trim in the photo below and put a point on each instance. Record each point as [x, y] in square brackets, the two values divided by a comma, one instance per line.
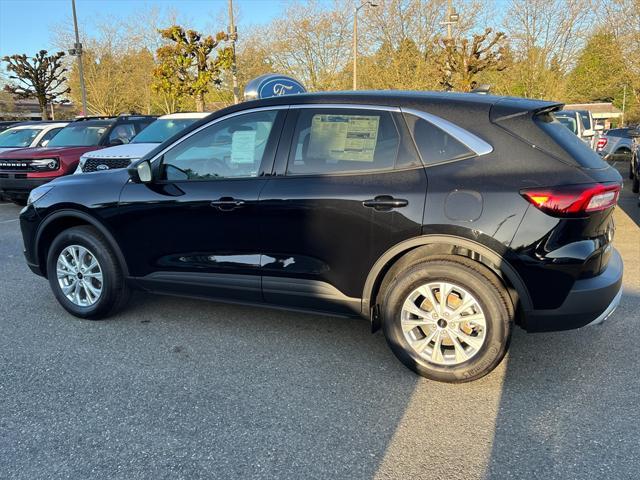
[334, 106]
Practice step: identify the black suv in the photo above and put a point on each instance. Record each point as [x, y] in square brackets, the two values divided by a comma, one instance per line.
[443, 218]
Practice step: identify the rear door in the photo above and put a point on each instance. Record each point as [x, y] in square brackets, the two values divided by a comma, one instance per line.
[347, 186]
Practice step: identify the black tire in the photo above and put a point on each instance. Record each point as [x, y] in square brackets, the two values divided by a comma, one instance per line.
[115, 291]
[635, 185]
[483, 284]
[631, 174]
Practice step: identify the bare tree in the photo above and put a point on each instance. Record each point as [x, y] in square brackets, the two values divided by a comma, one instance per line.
[40, 77]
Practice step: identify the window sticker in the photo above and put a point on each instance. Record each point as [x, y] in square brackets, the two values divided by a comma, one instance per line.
[344, 137]
[243, 146]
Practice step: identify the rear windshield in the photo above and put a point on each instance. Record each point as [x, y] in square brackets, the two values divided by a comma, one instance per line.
[80, 134]
[18, 137]
[570, 143]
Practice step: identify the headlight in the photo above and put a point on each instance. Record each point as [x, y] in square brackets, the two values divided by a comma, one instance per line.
[44, 164]
[37, 193]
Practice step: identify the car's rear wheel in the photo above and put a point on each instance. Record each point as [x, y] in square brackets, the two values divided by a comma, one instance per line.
[85, 275]
[448, 319]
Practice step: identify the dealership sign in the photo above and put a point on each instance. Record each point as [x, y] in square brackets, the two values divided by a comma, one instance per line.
[272, 85]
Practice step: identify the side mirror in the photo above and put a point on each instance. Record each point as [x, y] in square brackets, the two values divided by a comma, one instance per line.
[598, 128]
[115, 141]
[44, 143]
[588, 133]
[141, 172]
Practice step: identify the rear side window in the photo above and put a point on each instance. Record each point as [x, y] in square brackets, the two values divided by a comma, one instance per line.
[330, 141]
[570, 143]
[619, 132]
[435, 145]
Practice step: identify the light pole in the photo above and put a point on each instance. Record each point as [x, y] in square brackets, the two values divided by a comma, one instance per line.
[624, 103]
[451, 19]
[368, 3]
[232, 35]
[77, 51]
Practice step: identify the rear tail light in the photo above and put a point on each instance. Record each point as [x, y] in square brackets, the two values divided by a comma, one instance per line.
[602, 142]
[573, 200]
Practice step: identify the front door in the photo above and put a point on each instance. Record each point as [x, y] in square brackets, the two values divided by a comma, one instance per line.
[194, 230]
[348, 185]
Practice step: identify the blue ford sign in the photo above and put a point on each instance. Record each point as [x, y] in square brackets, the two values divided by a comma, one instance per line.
[272, 85]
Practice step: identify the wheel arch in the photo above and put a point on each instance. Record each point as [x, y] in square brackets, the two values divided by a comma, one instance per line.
[61, 220]
[411, 251]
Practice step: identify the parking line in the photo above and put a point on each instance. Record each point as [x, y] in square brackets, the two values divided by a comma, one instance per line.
[7, 221]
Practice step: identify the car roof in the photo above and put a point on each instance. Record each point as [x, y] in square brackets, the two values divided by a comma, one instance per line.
[41, 126]
[185, 115]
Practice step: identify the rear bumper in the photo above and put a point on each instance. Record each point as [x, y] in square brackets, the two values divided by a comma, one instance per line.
[590, 301]
[20, 187]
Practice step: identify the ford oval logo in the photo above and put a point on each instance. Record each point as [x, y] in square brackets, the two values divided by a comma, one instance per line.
[102, 166]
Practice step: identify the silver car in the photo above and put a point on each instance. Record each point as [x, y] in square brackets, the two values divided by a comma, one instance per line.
[618, 142]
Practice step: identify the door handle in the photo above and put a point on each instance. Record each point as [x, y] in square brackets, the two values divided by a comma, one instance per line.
[385, 202]
[226, 204]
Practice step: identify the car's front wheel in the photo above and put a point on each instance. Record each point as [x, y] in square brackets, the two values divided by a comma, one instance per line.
[448, 319]
[85, 275]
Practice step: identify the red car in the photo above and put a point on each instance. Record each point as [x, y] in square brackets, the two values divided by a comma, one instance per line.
[24, 169]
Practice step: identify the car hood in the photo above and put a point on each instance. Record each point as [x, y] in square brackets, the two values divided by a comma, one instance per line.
[117, 176]
[130, 150]
[8, 149]
[44, 152]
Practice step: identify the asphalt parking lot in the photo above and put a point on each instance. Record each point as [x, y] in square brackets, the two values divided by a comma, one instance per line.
[176, 388]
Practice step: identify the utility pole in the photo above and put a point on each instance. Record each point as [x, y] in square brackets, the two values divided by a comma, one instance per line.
[624, 102]
[449, 7]
[77, 51]
[233, 37]
[369, 3]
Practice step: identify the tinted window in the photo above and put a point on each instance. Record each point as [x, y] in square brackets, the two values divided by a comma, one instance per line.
[227, 149]
[569, 142]
[343, 140]
[80, 134]
[19, 137]
[619, 132]
[569, 122]
[435, 145]
[48, 136]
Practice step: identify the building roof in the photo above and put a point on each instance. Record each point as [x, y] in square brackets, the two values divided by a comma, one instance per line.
[602, 107]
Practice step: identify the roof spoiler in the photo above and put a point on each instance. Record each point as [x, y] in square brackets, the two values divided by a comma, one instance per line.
[511, 108]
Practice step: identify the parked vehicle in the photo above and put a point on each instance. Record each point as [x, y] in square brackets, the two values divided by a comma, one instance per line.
[8, 124]
[29, 135]
[21, 170]
[574, 120]
[121, 156]
[617, 143]
[634, 164]
[430, 214]
[590, 125]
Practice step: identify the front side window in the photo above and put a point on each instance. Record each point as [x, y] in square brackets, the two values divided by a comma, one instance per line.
[330, 141]
[80, 134]
[434, 144]
[123, 132]
[227, 149]
[18, 137]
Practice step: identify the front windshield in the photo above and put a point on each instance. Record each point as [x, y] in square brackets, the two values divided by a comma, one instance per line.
[162, 129]
[80, 134]
[569, 122]
[18, 137]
